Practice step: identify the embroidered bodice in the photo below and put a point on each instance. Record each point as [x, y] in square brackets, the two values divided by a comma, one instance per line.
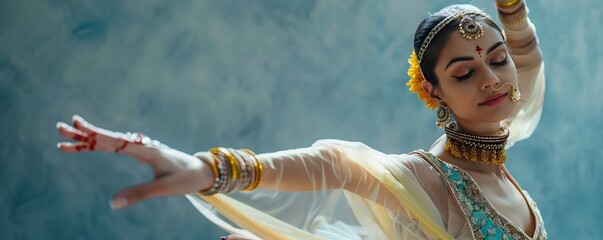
[485, 221]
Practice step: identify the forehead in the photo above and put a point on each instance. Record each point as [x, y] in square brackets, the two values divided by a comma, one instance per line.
[457, 45]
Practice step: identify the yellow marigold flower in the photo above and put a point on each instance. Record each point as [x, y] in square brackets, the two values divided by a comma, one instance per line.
[415, 83]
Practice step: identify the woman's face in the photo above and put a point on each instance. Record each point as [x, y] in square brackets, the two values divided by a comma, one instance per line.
[468, 70]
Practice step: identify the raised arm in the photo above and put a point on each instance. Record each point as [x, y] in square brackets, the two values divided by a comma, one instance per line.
[520, 33]
[521, 38]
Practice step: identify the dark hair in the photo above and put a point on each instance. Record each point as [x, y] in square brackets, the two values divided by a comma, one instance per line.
[430, 57]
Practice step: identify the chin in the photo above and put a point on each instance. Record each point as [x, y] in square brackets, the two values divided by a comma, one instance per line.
[498, 115]
[493, 114]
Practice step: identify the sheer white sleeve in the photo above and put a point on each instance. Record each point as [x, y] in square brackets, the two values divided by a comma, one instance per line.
[336, 190]
[522, 41]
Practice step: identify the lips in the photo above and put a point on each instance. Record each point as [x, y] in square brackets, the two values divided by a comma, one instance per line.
[493, 99]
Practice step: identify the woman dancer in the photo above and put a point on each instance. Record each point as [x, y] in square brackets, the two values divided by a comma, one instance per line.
[488, 86]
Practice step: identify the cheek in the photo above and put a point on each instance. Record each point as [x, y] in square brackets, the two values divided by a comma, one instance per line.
[511, 72]
[508, 74]
[462, 95]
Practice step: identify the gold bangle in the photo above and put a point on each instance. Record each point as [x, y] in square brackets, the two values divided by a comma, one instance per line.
[218, 178]
[245, 164]
[521, 43]
[524, 49]
[231, 160]
[507, 4]
[515, 17]
[258, 168]
[214, 165]
[255, 180]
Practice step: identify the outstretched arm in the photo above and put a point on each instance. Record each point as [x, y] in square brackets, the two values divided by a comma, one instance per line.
[316, 168]
[307, 169]
[327, 164]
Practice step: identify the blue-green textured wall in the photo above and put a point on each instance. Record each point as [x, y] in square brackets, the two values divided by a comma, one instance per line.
[266, 75]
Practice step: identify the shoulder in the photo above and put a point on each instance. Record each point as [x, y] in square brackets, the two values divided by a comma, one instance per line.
[414, 160]
[421, 168]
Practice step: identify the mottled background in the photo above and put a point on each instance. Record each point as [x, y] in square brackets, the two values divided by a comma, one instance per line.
[267, 75]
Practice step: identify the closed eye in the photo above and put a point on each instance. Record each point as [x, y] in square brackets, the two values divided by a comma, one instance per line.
[501, 63]
[464, 77]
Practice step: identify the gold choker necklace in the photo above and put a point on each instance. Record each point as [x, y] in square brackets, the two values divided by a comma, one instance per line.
[463, 145]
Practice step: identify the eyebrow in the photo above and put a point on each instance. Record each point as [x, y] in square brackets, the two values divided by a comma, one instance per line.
[458, 59]
[468, 58]
[496, 45]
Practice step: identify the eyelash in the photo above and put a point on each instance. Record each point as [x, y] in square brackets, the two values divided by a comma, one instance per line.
[496, 64]
[501, 63]
[464, 77]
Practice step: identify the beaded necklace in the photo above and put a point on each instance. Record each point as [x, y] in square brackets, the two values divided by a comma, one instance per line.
[482, 149]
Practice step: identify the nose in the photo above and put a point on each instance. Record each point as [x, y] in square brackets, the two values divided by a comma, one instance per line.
[489, 79]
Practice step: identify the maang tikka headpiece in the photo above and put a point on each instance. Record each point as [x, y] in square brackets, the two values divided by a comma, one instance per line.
[469, 27]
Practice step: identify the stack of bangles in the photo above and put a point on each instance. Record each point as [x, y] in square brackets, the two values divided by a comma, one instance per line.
[512, 11]
[234, 170]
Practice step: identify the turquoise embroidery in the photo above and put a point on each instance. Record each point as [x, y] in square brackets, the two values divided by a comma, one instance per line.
[480, 219]
[484, 221]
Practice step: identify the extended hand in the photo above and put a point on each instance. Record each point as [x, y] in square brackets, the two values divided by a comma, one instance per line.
[175, 172]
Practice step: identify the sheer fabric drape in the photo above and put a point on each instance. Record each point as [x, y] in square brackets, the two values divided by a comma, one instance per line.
[347, 190]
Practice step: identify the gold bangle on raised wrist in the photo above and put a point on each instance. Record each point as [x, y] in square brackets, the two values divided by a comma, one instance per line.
[507, 4]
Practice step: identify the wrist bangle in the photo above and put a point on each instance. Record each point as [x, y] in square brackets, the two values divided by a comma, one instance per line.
[523, 47]
[219, 175]
[245, 172]
[234, 170]
[507, 4]
[515, 17]
[258, 170]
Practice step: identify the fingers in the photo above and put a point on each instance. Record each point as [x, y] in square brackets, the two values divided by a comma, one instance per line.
[70, 132]
[84, 126]
[69, 147]
[81, 124]
[141, 192]
[89, 137]
[85, 141]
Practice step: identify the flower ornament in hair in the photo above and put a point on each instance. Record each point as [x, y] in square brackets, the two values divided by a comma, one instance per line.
[415, 83]
[469, 27]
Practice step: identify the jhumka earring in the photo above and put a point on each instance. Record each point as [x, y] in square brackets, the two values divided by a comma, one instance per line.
[444, 116]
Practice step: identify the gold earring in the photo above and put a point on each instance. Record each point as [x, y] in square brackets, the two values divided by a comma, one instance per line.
[444, 116]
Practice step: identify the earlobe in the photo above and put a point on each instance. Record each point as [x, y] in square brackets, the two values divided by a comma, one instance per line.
[432, 92]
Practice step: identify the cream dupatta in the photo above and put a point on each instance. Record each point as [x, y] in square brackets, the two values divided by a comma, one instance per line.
[379, 196]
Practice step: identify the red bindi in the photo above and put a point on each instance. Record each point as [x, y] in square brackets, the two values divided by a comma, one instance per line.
[478, 50]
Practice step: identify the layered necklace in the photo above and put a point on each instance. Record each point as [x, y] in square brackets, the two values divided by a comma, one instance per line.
[482, 149]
